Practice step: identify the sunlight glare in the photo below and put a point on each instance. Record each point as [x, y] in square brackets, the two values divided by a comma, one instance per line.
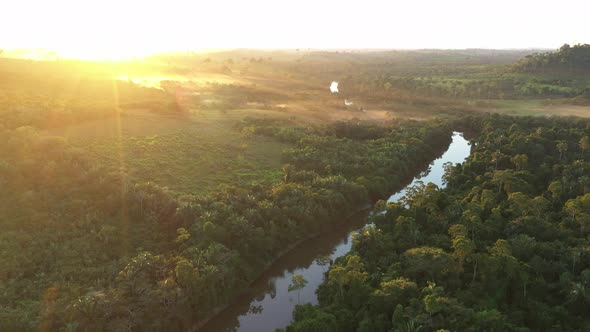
[119, 30]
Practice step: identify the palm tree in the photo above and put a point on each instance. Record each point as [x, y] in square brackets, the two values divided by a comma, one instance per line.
[562, 148]
[298, 282]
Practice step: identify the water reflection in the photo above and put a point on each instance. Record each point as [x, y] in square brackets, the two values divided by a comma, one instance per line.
[268, 304]
[270, 292]
[334, 87]
[456, 153]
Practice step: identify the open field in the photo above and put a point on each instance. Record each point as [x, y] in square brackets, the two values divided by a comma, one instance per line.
[189, 153]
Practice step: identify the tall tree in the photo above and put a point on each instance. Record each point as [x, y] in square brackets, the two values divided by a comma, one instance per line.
[562, 148]
[298, 282]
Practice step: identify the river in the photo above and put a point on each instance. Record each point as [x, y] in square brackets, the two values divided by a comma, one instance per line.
[268, 305]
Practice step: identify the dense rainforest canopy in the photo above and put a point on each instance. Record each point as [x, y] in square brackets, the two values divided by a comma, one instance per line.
[504, 247]
[134, 204]
[82, 248]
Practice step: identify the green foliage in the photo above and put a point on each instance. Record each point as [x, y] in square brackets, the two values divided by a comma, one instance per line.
[573, 59]
[516, 254]
[443, 85]
[310, 319]
[298, 282]
[86, 246]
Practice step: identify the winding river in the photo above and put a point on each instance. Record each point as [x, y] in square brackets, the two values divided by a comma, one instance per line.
[268, 304]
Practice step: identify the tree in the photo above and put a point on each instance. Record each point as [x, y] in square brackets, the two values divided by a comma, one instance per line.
[520, 203]
[572, 207]
[397, 318]
[183, 235]
[298, 282]
[462, 246]
[447, 172]
[399, 290]
[501, 249]
[584, 144]
[432, 298]
[584, 181]
[556, 189]
[289, 170]
[583, 219]
[407, 228]
[501, 177]
[539, 205]
[489, 320]
[431, 261]
[457, 230]
[496, 156]
[562, 148]
[347, 275]
[520, 161]
[308, 318]
[488, 199]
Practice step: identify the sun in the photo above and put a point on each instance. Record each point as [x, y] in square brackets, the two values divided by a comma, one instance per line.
[91, 49]
[93, 30]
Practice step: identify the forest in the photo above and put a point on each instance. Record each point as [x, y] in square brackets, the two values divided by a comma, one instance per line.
[503, 247]
[569, 59]
[86, 249]
[148, 195]
[551, 74]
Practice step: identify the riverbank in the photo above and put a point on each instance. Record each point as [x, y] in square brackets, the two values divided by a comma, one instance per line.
[280, 255]
[241, 303]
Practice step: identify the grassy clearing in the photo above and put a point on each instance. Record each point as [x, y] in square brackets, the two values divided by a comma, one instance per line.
[540, 107]
[187, 153]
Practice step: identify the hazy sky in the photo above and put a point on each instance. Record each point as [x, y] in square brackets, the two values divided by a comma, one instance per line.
[120, 27]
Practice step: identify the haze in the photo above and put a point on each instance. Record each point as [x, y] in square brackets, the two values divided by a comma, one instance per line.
[295, 166]
[111, 29]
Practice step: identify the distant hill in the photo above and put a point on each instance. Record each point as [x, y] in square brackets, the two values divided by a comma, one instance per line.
[568, 60]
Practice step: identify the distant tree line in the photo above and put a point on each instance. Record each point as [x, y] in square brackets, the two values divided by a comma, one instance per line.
[574, 60]
[547, 75]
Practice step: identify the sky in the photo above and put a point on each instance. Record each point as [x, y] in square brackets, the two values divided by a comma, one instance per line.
[116, 28]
